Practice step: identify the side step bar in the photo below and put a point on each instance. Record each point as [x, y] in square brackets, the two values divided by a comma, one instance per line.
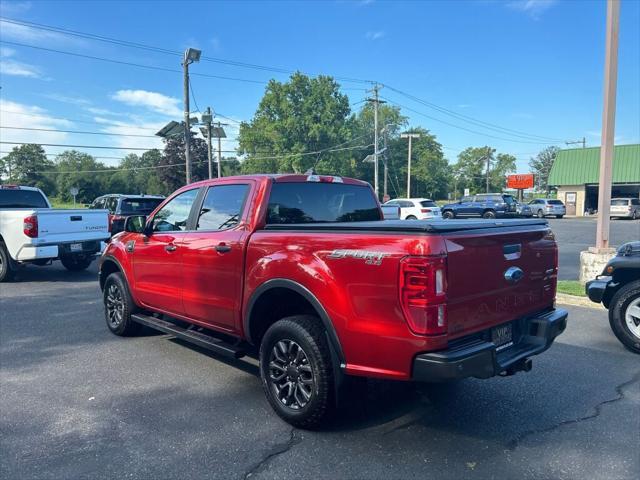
[197, 338]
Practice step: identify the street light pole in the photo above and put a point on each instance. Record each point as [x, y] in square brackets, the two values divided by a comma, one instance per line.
[608, 123]
[207, 117]
[488, 167]
[219, 151]
[190, 55]
[410, 136]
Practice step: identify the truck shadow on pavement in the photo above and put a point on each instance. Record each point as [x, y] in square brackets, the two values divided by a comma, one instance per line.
[55, 273]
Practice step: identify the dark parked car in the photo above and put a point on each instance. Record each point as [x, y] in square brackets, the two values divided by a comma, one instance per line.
[122, 206]
[542, 207]
[618, 288]
[485, 205]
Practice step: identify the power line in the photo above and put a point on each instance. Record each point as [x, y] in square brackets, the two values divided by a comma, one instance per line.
[487, 125]
[152, 48]
[77, 131]
[91, 146]
[463, 128]
[130, 64]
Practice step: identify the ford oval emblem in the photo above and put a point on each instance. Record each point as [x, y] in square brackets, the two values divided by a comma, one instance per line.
[513, 274]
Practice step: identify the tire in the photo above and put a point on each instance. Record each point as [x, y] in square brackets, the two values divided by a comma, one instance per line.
[311, 401]
[489, 214]
[118, 306]
[559, 216]
[620, 317]
[76, 263]
[635, 215]
[7, 267]
[411, 217]
[448, 214]
[540, 214]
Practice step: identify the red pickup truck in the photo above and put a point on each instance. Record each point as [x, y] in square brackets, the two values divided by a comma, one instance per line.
[302, 271]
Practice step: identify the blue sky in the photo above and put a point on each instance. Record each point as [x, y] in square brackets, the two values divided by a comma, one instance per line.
[535, 66]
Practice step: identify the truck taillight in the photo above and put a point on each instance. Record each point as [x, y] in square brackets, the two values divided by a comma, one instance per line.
[423, 294]
[114, 218]
[30, 226]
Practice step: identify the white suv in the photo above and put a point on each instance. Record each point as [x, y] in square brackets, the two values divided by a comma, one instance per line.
[416, 208]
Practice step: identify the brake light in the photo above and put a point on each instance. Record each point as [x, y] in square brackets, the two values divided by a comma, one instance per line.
[425, 210]
[30, 226]
[113, 218]
[423, 294]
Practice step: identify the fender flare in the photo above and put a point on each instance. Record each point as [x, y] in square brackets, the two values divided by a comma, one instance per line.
[111, 258]
[332, 336]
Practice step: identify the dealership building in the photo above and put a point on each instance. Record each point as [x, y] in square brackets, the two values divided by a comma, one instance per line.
[575, 173]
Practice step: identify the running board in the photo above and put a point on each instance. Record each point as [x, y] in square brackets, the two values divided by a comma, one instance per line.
[197, 338]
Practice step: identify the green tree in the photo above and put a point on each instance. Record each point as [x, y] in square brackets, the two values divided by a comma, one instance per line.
[77, 169]
[26, 164]
[171, 174]
[293, 118]
[471, 169]
[429, 169]
[541, 167]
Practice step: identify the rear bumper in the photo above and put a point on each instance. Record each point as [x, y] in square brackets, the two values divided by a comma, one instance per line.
[596, 288]
[479, 358]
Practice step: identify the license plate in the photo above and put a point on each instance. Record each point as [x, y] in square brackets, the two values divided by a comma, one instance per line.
[75, 247]
[502, 336]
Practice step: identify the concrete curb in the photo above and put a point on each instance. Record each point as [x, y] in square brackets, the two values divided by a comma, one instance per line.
[565, 299]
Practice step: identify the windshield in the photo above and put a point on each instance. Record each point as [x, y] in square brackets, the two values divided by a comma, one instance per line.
[620, 202]
[16, 198]
[311, 202]
[139, 205]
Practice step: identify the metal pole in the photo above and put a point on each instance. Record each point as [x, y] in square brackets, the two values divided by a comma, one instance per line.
[375, 141]
[608, 123]
[209, 153]
[219, 151]
[187, 129]
[386, 169]
[409, 169]
[488, 167]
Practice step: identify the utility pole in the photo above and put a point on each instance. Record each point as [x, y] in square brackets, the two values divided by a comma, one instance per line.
[206, 119]
[219, 150]
[376, 102]
[576, 142]
[385, 195]
[488, 155]
[410, 136]
[190, 55]
[608, 123]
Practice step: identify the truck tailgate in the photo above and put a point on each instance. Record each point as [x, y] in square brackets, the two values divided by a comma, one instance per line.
[61, 226]
[497, 276]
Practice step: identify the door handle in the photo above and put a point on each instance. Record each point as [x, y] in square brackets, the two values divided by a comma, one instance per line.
[223, 248]
[170, 248]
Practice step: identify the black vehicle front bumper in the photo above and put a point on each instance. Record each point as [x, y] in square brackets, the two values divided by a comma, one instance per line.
[478, 357]
[596, 288]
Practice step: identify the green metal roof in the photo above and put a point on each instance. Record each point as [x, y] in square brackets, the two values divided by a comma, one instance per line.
[578, 166]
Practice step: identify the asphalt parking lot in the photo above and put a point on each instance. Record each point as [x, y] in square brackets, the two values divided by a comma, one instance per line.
[577, 234]
[78, 402]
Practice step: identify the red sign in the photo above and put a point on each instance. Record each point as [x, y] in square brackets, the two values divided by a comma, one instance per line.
[524, 180]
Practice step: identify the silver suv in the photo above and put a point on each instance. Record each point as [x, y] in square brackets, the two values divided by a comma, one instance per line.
[625, 208]
[541, 207]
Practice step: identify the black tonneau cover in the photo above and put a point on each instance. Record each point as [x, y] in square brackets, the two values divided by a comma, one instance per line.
[411, 226]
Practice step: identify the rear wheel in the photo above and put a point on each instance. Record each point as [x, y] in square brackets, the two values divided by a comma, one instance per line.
[489, 214]
[411, 217]
[7, 267]
[118, 306]
[76, 263]
[559, 216]
[624, 315]
[540, 214]
[448, 214]
[296, 371]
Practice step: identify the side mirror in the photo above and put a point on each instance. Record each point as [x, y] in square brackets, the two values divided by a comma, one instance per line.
[135, 224]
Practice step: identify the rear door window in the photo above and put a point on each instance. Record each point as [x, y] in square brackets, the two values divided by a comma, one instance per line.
[310, 202]
[222, 207]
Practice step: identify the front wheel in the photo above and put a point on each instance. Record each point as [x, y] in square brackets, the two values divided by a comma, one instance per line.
[118, 306]
[540, 214]
[76, 263]
[624, 315]
[489, 214]
[296, 371]
[448, 214]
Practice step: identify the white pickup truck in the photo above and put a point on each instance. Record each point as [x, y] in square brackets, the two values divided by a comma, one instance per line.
[32, 232]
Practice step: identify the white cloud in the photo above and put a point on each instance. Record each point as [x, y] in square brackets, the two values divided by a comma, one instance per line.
[533, 8]
[375, 35]
[15, 114]
[24, 33]
[14, 68]
[154, 101]
[464, 105]
[14, 8]
[68, 99]
[135, 126]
